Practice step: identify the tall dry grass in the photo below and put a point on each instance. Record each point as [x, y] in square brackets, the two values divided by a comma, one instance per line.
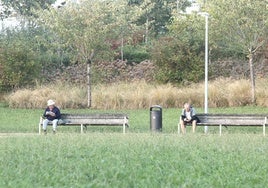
[262, 92]
[66, 96]
[140, 94]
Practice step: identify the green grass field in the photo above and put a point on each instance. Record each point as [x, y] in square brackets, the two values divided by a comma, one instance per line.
[104, 157]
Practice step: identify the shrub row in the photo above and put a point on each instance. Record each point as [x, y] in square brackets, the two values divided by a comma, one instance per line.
[101, 72]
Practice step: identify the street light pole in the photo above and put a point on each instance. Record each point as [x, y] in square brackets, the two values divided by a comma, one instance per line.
[206, 69]
[206, 15]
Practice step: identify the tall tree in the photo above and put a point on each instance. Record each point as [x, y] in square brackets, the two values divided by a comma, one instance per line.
[240, 26]
[88, 27]
[158, 16]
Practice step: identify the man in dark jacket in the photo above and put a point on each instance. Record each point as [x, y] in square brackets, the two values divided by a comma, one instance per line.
[188, 115]
[52, 114]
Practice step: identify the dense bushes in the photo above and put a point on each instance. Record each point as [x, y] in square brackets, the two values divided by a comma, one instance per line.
[177, 61]
[18, 65]
[101, 72]
[135, 54]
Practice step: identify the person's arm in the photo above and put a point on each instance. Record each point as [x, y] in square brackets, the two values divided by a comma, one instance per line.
[193, 112]
[194, 117]
[57, 114]
[45, 113]
[183, 115]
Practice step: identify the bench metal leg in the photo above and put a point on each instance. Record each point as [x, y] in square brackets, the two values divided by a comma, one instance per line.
[263, 129]
[124, 125]
[124, 128]
[40, 125]
[82, 128]
[206, 129]
[39, 128]
[220, 129]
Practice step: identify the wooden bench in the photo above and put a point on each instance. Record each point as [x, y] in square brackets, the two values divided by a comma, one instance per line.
[83, 120]
[231, 120]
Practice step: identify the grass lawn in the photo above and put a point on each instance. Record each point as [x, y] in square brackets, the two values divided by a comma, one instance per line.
[104, 157]
[134, 160]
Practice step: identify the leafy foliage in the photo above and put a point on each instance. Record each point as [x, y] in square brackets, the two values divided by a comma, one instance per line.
[83, 35]
[179, 57]
[135, 54]
[25, 8]
[18, 62]
[243, 29]
[159, 15]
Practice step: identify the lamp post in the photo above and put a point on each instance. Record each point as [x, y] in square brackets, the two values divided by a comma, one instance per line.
[206, 15]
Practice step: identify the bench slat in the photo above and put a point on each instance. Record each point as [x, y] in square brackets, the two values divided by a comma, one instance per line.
[227, 119]
[94, 121]
[94, 116]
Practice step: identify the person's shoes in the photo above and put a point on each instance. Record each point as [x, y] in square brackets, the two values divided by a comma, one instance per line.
[45, 132]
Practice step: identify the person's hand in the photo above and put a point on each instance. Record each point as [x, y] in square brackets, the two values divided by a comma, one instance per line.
[50, 113]
[187, 120]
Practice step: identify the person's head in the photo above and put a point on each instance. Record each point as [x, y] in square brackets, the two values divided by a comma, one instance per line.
[187, 107]
[50, 103]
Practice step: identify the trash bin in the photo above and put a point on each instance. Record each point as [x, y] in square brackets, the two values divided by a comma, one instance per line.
[156, 118]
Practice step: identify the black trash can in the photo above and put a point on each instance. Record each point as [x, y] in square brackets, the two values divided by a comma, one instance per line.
[156, 118]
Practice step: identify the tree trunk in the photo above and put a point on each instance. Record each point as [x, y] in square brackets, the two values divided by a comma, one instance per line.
[88, 85]
[89, 61]
[122, 48]
[252, 78]
[146, 30]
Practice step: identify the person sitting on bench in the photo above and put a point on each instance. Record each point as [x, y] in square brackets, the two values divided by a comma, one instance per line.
[52, 114]
[188, 115]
